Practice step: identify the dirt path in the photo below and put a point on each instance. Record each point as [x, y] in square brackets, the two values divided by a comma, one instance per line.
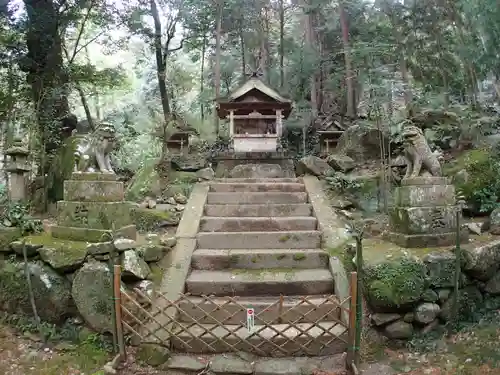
[473, 351]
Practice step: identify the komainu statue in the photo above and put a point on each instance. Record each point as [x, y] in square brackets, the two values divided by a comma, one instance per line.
[418, 154]
[94, 149]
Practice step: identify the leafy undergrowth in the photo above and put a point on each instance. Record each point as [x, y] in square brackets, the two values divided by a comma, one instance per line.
[71, 350]
[474, 350]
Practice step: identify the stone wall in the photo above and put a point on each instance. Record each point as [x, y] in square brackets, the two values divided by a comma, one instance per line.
[411, 293]
[226, 162]
[74, 279]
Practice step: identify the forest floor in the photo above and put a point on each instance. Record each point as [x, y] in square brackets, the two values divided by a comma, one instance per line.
[472, 351]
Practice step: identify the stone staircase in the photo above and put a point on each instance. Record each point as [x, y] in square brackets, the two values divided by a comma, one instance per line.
[259, 239]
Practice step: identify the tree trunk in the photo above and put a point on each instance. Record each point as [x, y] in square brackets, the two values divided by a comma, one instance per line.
[282, 44]
[310, 40]
[220, 4]
[85, 105]
[160, 63]
[202, 76]
[349, 74]
[44, 65]
[243, 58]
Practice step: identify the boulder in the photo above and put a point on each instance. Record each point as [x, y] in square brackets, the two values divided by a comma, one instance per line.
[493, 285]
[123, 244]
[441, 266]
[393, 285]
[426, 312]
[31, 248]
[342, 163]
[64, 258]
[430, 296]
[188, 163]
[100, 248]
[180, 198]
[399, 330]
[482, 262]
[151, 252]
[380, 319]
[313, 165]
[474, 228]
[134, 267]
[470, 300]
[146, 287]
[494, 221]
[92, 292]
[256, 171]
[361, 143]
[206, 174]
[52, 291]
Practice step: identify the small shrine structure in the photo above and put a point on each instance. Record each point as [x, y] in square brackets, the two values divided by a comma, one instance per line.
[255, 113]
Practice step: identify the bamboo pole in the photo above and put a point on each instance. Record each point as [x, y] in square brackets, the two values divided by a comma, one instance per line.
[118, 311]
[351, 351]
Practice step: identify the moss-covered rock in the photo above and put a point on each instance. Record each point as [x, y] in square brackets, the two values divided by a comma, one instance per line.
[149, 220]
[145, 182]
[393, 285]
[153, 354]
[96, 215]
[482, 187]
[7, 235]
[92, 292]
[64, 257]
[51, 291]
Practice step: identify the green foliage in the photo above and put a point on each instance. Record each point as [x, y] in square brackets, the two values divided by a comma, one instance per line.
[482, 188]
[16, 214]
[340, 183]
[395, 284]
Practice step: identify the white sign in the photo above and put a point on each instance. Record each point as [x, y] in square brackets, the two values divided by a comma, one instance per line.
[250, 319]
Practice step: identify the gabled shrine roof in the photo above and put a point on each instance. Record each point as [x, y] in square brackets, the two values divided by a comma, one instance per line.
[255, 83]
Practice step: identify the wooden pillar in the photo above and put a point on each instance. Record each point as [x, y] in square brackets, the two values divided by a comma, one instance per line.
[279, 122]
[231, 123]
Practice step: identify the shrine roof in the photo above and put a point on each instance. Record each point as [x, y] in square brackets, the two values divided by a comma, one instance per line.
[255, 83]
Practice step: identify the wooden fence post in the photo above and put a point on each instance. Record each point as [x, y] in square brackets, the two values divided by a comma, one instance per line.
[351, 350]
[118, 311]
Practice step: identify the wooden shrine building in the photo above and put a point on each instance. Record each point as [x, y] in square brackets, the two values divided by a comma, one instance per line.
[255, 113]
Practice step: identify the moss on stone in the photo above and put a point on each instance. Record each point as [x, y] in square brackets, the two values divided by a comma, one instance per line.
[148, 219]
[299, 256]
[46, 240]
[7, 235]
[96, 215]
[146, 181]
[395, 284]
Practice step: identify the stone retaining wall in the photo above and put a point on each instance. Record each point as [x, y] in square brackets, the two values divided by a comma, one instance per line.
[414, 294]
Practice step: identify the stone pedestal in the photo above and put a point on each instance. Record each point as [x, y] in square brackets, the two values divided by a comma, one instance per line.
[17, 166]
[93, 207]
[424, 214]
[225, 162]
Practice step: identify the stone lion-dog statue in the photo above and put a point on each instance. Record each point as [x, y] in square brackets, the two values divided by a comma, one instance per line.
[93, 150]
[419, 157]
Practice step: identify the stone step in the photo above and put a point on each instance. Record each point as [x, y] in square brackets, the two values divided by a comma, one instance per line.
[263, 210]
[313, 340]
[215, 259]
[258, 180]
[256, 198]
[294, 309]
[256, 224]
[234, 187]
[260, 282]
[260, 240]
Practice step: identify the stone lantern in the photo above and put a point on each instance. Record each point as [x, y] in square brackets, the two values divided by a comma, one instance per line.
[17, 166]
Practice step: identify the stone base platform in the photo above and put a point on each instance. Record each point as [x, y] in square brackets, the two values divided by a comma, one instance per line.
[226, 161]
[92, 235]
[427, 240]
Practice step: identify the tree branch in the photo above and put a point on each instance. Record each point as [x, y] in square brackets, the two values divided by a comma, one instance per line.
[80, 32]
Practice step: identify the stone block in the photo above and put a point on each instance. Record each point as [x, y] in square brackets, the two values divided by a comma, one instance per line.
[93, 191]
[423, 220]
[91, 235]
[94, 176]
[95, 215]
[425, 181]
[425, 195]
[427, 240]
